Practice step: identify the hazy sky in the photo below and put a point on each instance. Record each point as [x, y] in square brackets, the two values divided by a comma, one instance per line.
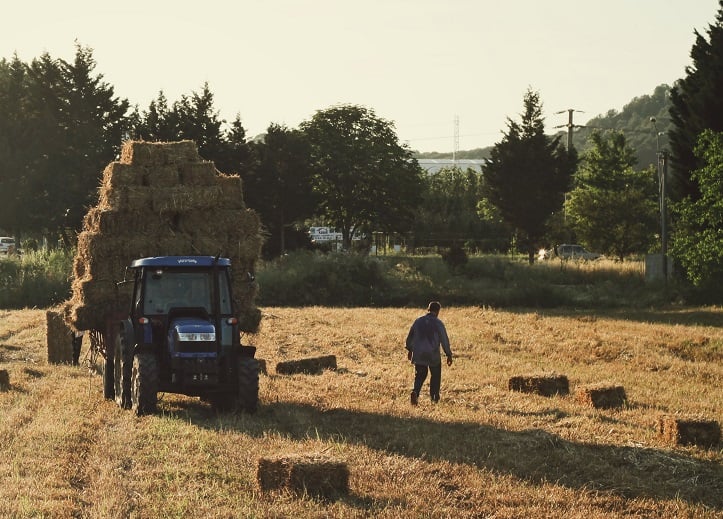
[417, 63]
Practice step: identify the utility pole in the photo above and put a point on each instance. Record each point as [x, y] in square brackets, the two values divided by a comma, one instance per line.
[662, 175]
[570, 125]
[455, 145]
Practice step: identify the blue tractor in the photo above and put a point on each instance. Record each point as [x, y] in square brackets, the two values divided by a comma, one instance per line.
[180, 336]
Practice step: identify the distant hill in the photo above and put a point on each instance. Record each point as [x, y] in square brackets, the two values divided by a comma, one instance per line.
[633, 120]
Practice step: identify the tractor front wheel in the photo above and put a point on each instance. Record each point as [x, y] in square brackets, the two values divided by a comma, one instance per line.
[144, 383]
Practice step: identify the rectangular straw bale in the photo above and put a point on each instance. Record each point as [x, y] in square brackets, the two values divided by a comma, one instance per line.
[183, 198]
[161, 176]
[198, 174]
[59, 337]
[179, 152]
[111, 268]
[540, 384]
[272, 473]
[118, 174]
[232, 191]
[141, 153]
[315, 474]
[96, 248]
[601, 396]
[677, 430]
[312, 366]
[90, 317]
[137, 153]
[137, 198]
[319, 476]
[211, 244]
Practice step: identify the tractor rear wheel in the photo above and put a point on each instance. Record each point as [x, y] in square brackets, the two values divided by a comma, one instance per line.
[144, 383]
[248, 384]
[122, 364]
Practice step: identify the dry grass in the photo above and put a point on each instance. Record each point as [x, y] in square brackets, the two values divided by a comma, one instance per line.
[483, 451]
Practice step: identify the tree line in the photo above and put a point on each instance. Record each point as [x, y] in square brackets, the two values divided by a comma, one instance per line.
[61, 123]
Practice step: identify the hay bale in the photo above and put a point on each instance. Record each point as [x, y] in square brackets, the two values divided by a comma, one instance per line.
[179, 198]
[198, 174]
[4, 380]
[162, 176]
[601, 396]
[232, 191]
[677, 430]
[311, 366]
[314, 474]
[141, 153]
[59, 338]
[540, 384]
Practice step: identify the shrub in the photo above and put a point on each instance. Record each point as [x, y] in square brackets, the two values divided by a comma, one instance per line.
[455, 257]
[35, 279]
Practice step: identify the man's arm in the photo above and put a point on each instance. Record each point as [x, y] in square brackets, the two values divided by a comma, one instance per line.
[444, 340]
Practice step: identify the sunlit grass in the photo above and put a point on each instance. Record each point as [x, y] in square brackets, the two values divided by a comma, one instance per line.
[482, 451]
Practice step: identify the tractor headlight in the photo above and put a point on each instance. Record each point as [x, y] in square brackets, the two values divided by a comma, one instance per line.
[196, 336]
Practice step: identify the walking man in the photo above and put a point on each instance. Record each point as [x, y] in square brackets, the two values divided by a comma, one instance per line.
[425, 336]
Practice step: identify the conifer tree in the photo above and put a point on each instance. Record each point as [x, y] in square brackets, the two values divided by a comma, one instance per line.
[528, 174]
[697, 105]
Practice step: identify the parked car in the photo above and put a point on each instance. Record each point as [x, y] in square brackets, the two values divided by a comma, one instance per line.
[7, 245]
[574, 251]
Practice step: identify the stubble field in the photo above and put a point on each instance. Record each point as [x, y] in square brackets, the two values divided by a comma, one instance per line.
[483, 451]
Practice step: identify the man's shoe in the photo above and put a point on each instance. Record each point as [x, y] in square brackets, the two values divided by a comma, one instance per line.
[435, 399]
[414, 398]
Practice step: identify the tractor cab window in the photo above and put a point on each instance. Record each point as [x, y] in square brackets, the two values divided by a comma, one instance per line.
[166, 289]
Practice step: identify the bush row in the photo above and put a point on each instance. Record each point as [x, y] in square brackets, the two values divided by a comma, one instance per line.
[306, 278]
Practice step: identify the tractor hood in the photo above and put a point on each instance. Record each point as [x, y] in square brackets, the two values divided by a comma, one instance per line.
[191, 335]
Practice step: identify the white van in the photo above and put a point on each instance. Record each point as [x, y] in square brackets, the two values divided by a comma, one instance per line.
[7, 244]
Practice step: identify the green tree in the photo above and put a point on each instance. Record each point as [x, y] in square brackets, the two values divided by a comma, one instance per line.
[364, 178]
[92, 123]
[67, 125]
[448, 212]
[528, 174]
[612, 207]
[697, 243]
[697, 105]
[155, 123]
[279, 189]
[16, 132]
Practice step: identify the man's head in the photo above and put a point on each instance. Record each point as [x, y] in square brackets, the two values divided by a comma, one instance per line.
[434, 307]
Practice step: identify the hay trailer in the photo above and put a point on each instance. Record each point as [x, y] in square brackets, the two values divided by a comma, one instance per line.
[179, 336]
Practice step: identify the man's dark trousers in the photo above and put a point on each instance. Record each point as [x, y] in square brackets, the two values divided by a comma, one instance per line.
[435, 380]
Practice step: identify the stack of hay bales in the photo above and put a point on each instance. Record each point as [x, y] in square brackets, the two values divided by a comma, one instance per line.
[161, 199]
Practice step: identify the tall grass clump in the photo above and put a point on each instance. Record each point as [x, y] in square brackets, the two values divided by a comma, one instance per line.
[35, 279]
